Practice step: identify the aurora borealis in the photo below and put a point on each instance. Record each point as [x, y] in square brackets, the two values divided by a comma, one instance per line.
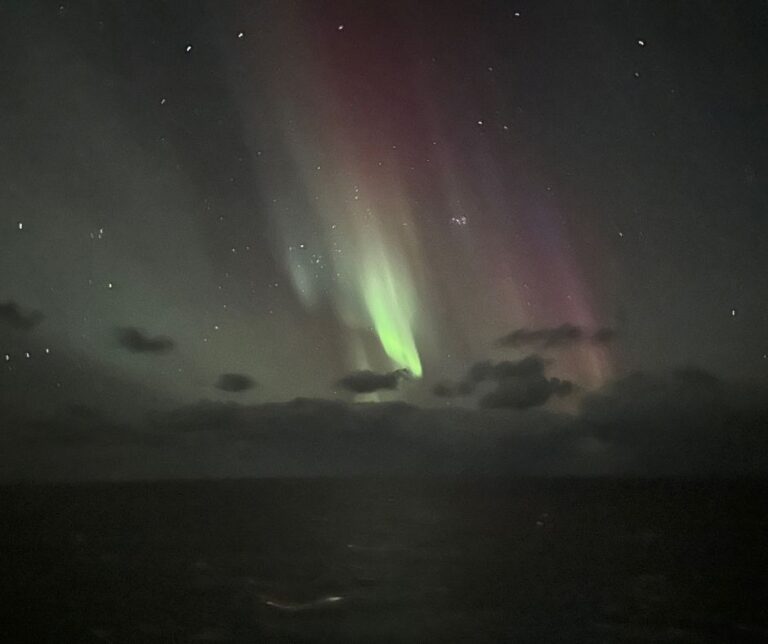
[398, 205]
[496, 214]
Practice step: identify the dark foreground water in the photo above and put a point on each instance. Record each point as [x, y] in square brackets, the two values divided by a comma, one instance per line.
[385, 561]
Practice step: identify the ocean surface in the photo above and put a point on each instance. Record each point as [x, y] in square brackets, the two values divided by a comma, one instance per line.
[385, 561]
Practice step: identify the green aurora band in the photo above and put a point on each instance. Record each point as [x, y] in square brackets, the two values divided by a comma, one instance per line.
[352, 218]
[348, 237]
[390, 302]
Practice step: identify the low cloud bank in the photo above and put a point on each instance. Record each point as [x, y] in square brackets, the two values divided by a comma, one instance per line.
[686, 422]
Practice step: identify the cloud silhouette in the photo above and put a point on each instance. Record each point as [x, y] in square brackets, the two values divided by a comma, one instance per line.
[553, 337]
[75, 424]
[235, 382]
[529, 367]
[12, 315]
[200, 416]
[366, 382]
[518, 384]
[685, 422]
[321, 437]
[137, 341]
[603, 335]
[453, 390]
[523, 393]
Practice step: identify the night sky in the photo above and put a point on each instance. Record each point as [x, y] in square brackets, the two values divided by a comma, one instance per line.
[280, 238]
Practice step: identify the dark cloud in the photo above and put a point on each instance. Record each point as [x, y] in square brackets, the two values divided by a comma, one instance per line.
[75, 424]
[556, 336]
[603, 335]
[365, 382]
[529, 367]
[686, 422]
[697, 376]
[523, 393]
[453, 390]
[444, 390]
[12, 315]
[308, 437]
[204, 415]
[518, 384]
[137, 341]
[560, 336]
[235, 382]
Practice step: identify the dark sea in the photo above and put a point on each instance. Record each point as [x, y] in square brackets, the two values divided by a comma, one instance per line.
[385, 561]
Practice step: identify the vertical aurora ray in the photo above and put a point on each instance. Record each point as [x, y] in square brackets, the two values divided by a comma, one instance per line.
[351, 242]
[425, 236]
[390, 301]
[376, 288]
[343, 226]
